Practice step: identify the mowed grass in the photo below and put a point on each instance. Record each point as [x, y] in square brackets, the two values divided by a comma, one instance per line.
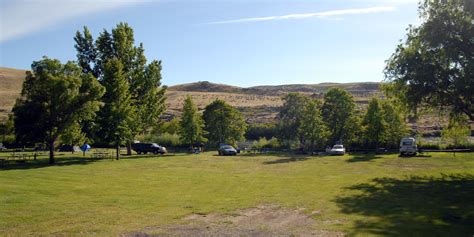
[354, 194]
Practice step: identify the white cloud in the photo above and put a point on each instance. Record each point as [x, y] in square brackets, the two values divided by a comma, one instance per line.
[324, 14]
[19, 18]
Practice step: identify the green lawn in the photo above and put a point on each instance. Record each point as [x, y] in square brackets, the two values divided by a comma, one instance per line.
[356, 194]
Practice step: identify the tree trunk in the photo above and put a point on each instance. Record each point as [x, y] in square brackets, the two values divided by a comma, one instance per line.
[51, 152]
[117, 150]
[129, 148]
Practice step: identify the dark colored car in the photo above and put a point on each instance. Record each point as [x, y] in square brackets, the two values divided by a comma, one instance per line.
[148, 147]
[227, 150]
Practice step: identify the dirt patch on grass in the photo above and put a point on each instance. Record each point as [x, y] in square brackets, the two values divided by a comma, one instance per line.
[264, 220]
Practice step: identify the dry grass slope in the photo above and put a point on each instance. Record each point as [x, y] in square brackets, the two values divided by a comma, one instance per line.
[11, 81]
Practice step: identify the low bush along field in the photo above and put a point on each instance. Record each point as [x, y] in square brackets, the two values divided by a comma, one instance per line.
[352, 194]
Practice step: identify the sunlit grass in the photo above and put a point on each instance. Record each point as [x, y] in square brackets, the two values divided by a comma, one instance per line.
[79, 196]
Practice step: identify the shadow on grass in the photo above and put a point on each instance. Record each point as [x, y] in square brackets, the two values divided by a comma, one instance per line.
[286, 160]
[415, 206]
[44, 162]
[364, 157]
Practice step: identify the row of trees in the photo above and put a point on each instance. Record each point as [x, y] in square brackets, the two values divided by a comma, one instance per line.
[219, 123]
[336, 120]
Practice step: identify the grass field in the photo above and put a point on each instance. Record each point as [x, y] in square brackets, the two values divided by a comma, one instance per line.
[353, 195]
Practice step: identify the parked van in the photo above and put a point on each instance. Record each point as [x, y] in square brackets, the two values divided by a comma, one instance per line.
[408, 146]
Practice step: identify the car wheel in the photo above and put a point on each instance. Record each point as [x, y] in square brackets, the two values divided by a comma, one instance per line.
[145, 152]
[139, 152]
[155, 152]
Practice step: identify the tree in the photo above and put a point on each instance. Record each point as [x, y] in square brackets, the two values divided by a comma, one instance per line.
[144, 81]
[223, 123]
[290, 116]
[118, 113]
[434, 67]
[7, 128]
[54, 96]
[312, 126]
[191, 129]
[457, 131]
[73, 135]
[396, 127]
[338, 112]
[374, 124]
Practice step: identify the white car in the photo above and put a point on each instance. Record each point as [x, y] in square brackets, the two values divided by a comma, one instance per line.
[337, 150]
[408, 146]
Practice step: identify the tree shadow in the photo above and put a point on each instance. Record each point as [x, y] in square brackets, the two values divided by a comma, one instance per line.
[362, 158]
[44, 162]
[286, 160]
[415, 206]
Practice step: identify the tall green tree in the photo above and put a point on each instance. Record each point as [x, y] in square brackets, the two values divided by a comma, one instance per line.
[312, 126]
[434, 66]
[338, 114]
[191, 129]
[374, 124]
[118, 113]
[223, 123]
[290, 116]
[144, 80]
[54, 96]
[396, 127]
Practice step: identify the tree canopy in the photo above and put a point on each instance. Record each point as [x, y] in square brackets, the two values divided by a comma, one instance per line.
[313, 128]
[434, 67]
[191, 129]
[338, 114]
[291, 115]
[54, 97]
[144, 80]
[118, 113]
[223, 123]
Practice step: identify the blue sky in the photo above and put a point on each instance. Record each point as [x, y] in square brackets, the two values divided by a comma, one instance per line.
[236, 42]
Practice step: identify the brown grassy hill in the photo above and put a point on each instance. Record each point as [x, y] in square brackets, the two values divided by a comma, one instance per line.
[205, 86]
[11, 81]
[259, 104]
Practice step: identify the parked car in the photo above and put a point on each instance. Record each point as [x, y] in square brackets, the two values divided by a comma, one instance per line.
[227, 150]
[2, 147]
[408, 146]
[337, 150]
[144, 148]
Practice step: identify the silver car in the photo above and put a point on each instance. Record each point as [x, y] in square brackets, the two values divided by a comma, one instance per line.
[337, 150]
[227, 150]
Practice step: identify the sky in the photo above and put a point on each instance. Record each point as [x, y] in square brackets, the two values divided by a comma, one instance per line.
[236, 42]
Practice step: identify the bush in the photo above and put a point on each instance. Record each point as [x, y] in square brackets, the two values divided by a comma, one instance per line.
[264, 143]
[463, 146]
[165, 139]
[257, 131]
[430, 146]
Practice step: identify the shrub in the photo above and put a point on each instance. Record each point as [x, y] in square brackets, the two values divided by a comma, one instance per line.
[165, 139]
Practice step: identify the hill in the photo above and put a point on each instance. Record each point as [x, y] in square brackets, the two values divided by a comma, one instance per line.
[259, 104]
[11, 81]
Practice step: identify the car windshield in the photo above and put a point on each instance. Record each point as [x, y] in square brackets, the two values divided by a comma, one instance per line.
[338, 147]
[227, 147]
[407, 143]
[154, 145]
